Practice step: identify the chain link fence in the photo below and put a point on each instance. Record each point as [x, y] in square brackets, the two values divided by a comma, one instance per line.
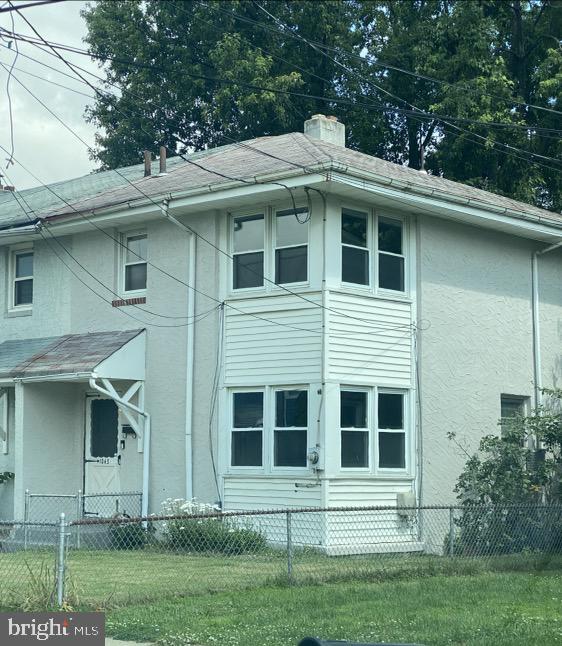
[122, 559]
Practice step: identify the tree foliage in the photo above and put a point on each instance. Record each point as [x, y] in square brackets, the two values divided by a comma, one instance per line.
[192, 75]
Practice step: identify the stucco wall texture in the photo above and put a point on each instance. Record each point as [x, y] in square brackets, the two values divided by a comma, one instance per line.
[475, 301]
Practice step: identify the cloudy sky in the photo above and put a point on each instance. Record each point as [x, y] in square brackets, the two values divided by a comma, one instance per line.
[41, 143]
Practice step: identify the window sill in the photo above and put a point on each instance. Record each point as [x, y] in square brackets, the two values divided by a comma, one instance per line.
[24, 311]
[300, 288]
[386, 295]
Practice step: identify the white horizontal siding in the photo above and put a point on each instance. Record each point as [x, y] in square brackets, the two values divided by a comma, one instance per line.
[284, 344]
[378, 350]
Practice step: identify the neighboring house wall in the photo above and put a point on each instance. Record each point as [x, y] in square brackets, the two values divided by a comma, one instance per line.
[476, 340]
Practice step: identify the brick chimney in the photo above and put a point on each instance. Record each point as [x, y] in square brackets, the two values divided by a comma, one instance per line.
[329, 129]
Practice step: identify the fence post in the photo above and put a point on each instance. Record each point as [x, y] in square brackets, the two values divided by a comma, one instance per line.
[25, 518]
[61, 561]
[79, 510]
[451, 531]
[289, 548]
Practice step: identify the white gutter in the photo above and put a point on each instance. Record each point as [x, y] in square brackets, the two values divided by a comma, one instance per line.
[536, 319]
[67, 376]
[145, 435]
[189, 371]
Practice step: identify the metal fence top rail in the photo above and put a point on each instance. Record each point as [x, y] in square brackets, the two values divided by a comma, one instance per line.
[119, 519]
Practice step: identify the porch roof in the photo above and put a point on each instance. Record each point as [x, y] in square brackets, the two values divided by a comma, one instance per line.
[116, 354]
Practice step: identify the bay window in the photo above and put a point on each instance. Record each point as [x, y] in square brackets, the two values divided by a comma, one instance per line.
[248, 251]
[389, 410]
[247, 429]
[364, 235]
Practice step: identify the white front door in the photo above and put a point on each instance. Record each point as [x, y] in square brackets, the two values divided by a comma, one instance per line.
[101, 458]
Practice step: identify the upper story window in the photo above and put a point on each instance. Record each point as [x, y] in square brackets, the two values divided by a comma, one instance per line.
[22, 278]
[364, 235]
[248, 256]
[270, 248]
[389, 429]
[135, 255]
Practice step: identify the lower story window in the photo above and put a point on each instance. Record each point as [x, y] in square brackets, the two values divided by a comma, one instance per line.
[269, 428]
[356, 411]
[247, 429]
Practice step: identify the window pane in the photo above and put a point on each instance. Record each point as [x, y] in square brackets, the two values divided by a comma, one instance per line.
[135, 277]
[103, 434]
[291, 265]
[136, 248]
[247, 449]
[23, 292]
[354, 228]
[24, 264]
[248, 233]
[290, 449]
[354, 449]
[392, 450]
[248, 410]
[248, 270]
[289, 230]
[391, 272]
[511, 406]
[355, 266]
[353, 409]
[391, 410]
[390, 235]
[291, 408]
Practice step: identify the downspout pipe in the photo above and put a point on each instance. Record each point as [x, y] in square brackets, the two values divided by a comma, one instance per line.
[145, 437]
[537, 367]
[189, 377]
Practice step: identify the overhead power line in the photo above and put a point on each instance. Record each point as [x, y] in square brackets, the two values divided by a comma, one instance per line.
[28, 5]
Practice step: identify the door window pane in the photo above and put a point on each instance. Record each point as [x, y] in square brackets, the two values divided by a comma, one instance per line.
[291, 231]
[392, 450]
[103, 435]
[290, 448]
[390, 235]
[354, 449]
[355, 265]
[248, 410]
[291, 408]
[24, 264]
[291, 265]
[248, 233]
[248, 270]
[354, 228]
[353, 409]
[391, 272]
[391, 410]
[135, 277]
[23, 292]
[247, 449]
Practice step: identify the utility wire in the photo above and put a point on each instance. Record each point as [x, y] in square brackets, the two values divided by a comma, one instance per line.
[10, 161]
[12, 8]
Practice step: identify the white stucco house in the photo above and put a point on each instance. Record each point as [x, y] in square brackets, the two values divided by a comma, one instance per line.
[280, 323]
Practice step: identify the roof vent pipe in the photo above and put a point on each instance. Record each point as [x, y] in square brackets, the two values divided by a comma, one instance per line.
[162, 160]
[147, 163]
[329, 129]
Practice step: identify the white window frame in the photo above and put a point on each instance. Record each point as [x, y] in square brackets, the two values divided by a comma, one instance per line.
[233, 253]
[269, 248]
[274, 427]
[373, 427]
[268, 429]
[125, 236]
[14, 253]
[368, 248]
[232, 430]
[373, 216]
[274, 214]
[4, 420]
[369, 429]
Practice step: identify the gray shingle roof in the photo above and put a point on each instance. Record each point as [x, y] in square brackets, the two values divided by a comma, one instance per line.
[265, 155]
[71, 353]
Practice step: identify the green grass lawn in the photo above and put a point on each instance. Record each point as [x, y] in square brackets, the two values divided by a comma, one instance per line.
[491, 609]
